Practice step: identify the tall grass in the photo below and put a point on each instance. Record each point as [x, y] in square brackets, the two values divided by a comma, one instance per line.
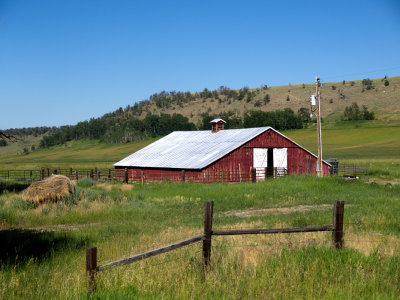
[124, 220]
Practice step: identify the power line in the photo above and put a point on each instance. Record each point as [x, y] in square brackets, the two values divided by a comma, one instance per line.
[360, 73]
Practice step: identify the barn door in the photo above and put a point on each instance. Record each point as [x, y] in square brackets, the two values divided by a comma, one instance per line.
[260, 161]
[280, 161]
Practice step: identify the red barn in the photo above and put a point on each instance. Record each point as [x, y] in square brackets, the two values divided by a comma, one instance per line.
[220, 155]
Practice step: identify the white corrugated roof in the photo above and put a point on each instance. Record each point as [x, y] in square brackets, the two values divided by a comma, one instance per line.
[190, 149]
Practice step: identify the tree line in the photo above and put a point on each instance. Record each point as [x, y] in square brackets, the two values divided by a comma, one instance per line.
[119, 129]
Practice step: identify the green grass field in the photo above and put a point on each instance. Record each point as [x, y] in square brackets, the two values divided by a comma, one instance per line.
[44, 252]
[368, 143]
[44, 256]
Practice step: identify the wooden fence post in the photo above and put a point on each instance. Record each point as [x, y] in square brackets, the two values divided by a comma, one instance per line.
[91, 266]
[91, 174]
[55, 172]
[109, 174]
[96, 175]
[208, 215]
[76, 175]
[183, 176]
[337, 234]
[42, 174]
[126, 175]
[254, 175]
[70, 172]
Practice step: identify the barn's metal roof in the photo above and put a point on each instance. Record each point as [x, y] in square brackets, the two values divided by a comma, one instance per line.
[194, 149]
[190, 149]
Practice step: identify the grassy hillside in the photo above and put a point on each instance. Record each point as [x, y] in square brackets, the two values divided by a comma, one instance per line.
[44, 257]
[381, 99]
[23, 142]
[76, 154]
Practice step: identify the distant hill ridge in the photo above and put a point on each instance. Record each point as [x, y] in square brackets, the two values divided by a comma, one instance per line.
[187, 111]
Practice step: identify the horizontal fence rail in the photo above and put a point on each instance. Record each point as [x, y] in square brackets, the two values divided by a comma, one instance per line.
[272, 231]
[206, 237]
[129, 260]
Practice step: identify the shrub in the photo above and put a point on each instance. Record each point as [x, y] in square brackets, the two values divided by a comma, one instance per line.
[353, 112]
[352, 83]
[91, 195]
[367, 83]
[333, 87]
[267, 99]
[85, 182]
[258, 103]
[386, 83]
[20, 204]
[367, 115]
[248, 97]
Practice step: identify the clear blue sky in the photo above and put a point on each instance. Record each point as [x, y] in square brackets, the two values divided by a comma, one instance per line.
[64, 61]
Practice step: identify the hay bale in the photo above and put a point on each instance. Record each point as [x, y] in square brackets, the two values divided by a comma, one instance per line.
[52, 189]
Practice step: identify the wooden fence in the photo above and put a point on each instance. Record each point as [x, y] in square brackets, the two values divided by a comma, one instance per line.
[127, 175]
[205, 176]
[206, 237]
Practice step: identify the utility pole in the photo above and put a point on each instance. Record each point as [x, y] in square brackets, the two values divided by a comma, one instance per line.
[319, 160]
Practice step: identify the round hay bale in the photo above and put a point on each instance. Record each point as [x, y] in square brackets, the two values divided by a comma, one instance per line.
[51, 189]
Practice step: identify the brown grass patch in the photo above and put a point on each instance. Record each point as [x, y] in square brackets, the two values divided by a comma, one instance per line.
[104, 185]
[126, 187]
[367, 242]
[275, 211]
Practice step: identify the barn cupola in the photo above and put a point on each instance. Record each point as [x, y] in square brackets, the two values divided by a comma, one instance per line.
[217, 125]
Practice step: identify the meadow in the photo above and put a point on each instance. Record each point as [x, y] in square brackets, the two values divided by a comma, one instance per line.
[44, 256]
[374, 144]
[44, 252]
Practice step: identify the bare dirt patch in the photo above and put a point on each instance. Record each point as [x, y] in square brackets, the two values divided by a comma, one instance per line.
[275, 211]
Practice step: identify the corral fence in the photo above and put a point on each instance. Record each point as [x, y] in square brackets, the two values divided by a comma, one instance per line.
[350, 170]
[91, 252]
[129, 175]
[148, 175]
